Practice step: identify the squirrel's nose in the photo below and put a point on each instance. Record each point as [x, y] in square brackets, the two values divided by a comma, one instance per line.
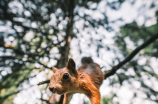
[51, 89]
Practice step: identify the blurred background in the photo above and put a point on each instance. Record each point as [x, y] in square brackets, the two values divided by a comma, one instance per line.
[38, 34]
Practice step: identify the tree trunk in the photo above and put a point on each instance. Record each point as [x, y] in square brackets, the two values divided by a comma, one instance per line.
[58, 99]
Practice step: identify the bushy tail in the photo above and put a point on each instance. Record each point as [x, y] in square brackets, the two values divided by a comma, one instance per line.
[87, 60]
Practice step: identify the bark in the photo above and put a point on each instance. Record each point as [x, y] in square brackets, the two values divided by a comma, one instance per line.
[57, 99]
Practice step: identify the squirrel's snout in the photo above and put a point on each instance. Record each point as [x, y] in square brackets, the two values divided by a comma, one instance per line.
[55, 88]
[51, 89]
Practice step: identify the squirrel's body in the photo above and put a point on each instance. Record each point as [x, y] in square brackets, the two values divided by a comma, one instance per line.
[87, 79]
[93, 70]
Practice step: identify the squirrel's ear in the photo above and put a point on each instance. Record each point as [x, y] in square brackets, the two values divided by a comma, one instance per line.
[72, 66]
[54, 69]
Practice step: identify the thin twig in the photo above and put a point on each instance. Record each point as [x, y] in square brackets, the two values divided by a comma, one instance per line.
[44, 100]
[43, 82]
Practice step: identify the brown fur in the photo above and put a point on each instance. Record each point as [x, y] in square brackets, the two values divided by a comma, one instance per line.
[87, 79]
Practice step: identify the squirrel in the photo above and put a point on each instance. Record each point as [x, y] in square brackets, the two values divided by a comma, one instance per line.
[87, 79]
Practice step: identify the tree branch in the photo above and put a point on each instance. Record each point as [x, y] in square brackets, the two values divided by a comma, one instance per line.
[129, 57]
[13, 93]
[44, 100]
[43, 82]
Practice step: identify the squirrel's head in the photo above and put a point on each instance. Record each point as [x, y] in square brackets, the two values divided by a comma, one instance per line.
[64, 80]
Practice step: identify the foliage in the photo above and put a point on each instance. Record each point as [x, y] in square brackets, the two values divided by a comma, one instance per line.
[142, 64]
[108, 99]
[38, 33]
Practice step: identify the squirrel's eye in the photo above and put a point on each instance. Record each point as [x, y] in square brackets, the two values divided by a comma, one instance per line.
[66, 76]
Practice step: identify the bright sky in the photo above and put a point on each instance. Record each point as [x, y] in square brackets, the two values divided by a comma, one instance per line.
[128, 13]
